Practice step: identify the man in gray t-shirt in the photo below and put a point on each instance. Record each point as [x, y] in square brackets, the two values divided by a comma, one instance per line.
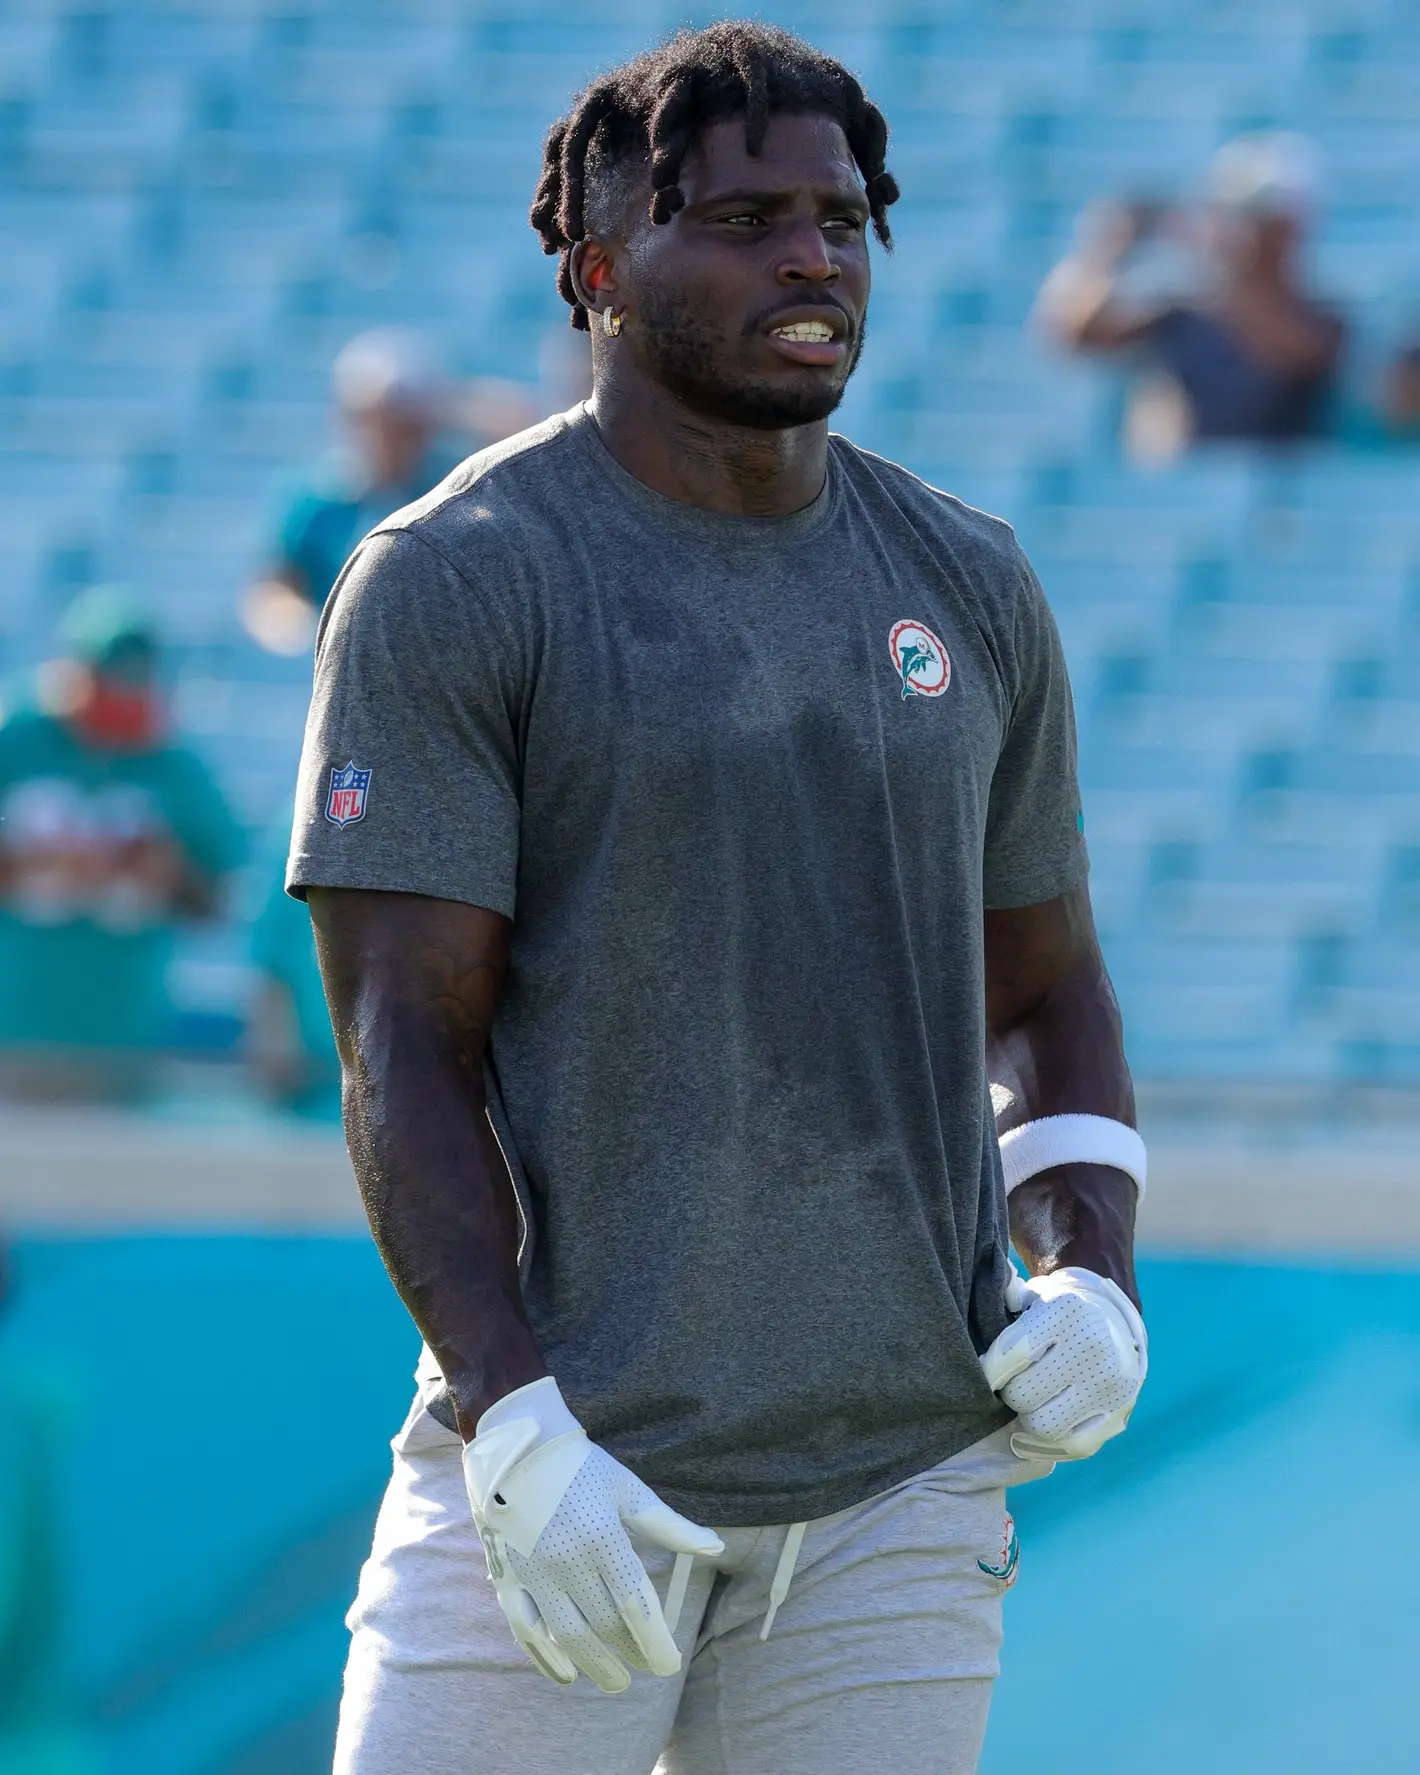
[694, 793]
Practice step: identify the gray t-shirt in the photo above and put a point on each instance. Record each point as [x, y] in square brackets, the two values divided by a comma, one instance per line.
[744, 786]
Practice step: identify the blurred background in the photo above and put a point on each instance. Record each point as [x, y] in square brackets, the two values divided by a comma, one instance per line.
[265, 274]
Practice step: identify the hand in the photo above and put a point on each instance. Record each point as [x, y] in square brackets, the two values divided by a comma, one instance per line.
[1107, 230]
[279, 616]
[1070, 1366]
[154, 861]
[553, 1510]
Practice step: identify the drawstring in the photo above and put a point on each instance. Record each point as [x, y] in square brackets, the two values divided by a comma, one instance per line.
[778, 1590]
[675, 1596]
[783, 1574]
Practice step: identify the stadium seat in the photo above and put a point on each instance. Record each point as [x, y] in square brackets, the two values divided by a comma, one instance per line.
[200, 202]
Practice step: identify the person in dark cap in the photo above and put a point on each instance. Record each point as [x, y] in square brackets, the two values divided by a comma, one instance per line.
[110, 833]
[396, 409]
[1212, 310]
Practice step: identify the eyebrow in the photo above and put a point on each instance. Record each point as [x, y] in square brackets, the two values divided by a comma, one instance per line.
[853, 197]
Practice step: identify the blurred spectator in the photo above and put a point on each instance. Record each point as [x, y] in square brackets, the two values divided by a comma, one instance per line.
[1210, 307]
[394, 404]
[109, 834]
[38, 1732]
[289, 1041]
[1400, 394]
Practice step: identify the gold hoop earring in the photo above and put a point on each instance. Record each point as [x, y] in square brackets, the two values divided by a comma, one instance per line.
[611, 322]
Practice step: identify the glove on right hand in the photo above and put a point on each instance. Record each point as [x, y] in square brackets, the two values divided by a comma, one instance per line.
[553, 1510]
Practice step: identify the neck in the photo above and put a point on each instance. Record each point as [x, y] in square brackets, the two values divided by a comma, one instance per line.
[737, 469]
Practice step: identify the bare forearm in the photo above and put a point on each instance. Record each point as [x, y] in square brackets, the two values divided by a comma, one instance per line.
[443, 1214]
[412, 984]
[1067, 1059]
[1056, 1046]
[1077, 1215]
[1078, 306]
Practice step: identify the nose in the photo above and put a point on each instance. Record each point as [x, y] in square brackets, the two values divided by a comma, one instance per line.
[807, 259]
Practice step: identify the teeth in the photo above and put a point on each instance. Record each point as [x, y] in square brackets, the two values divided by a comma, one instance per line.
[806, 332]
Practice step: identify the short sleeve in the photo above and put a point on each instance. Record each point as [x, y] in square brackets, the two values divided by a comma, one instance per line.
[409, 777]
[1035, 847]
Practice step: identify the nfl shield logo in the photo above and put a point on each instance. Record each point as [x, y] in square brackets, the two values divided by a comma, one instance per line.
[349, 789]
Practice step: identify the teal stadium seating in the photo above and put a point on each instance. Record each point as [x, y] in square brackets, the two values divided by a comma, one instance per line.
[201, 199]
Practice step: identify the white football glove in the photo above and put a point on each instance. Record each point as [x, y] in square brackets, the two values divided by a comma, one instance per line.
[550, 1507]
[1071, 1366]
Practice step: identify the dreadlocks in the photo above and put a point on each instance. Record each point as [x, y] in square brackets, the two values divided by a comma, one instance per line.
[656, 105]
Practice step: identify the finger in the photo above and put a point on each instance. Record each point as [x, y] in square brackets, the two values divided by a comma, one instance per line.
[1087, 1394]
[1034, 1448]
[578, 1609]
[1013, 1351]
[530, 1631]
[1058, 1416]
[1036, 1386]
[641, 1611]
[1074, 1422]
[576, 1639]
[665, 1527]
[601, 1608]
[1088, 1439]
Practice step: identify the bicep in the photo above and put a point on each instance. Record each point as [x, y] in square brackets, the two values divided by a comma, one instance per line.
[408, 966]
[1032, 950]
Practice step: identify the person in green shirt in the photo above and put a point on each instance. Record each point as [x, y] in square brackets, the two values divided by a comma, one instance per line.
[396, 409]
[110, 834]
[289, 1041]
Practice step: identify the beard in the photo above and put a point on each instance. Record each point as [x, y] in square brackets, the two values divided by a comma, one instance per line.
[695, 361]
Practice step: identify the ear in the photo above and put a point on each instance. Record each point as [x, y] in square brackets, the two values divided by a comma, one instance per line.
[593, 269]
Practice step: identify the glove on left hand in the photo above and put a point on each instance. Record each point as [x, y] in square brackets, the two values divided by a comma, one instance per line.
[1071, 1366]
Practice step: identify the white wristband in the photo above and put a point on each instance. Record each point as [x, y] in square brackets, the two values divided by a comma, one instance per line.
[1072, 1140]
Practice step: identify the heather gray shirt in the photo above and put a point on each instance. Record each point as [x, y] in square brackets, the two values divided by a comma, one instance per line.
[744, 786]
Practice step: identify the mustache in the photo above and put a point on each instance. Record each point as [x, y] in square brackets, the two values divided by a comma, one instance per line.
[757, 322]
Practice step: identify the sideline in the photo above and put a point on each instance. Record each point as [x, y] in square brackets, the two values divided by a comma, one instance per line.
[1222, 1191]
[111, 1171]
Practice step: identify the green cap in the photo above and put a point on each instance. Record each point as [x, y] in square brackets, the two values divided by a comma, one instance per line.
[106, 623]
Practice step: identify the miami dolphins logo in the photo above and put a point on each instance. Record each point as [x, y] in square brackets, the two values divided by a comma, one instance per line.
[923, 668]
[1010, 1556]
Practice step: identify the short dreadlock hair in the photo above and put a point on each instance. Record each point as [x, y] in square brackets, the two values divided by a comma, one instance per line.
[655, 106]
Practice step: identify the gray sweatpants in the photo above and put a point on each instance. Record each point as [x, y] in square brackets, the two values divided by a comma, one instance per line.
[881, 1656]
